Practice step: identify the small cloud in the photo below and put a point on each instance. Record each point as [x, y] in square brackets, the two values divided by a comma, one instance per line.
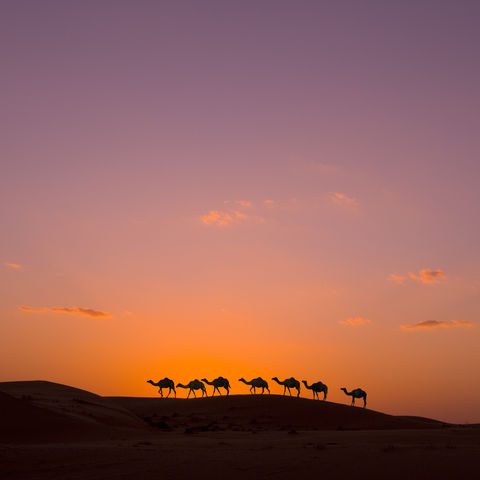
[217, 217]
[462, 323]
[14, 266]
[240, 215]
[355, 321]
[428, 276]
[429, 324]
[270, 203]
[244, 203]
[233, 213]
[31, 309]
[343, 200]
[400, 279]
[87, 312]
[238, 203]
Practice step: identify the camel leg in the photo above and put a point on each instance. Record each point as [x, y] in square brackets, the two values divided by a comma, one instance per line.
[189, 392]
[175, 392]
[169, 391]
[160, 392]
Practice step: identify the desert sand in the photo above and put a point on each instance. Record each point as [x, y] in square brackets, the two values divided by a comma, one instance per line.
[53, 431]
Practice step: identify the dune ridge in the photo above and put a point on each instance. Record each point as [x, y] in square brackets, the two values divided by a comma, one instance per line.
[37, 410]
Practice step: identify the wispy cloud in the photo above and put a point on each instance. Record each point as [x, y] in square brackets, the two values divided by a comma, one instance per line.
[243, 203]
[430, 324]
[14, 266]
[31, 309]
[343, 200]
[400, 279]
[355, 321]
[428, 276]
[217, 217]
[86, 312]
[236, 211]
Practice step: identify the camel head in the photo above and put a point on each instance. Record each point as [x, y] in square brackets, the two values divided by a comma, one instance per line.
[305, 383]
[150, 381]
[241, 379]
[275, 378]
[344, 389]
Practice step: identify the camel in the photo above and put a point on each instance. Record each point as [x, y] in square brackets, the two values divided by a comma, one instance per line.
[357, 393]
[164, 383]
[256, 383]
[217, 383]
[194, 385]
[289, 383]
[316, 388]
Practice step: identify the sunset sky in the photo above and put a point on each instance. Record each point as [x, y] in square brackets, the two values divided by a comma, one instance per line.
[243, 188]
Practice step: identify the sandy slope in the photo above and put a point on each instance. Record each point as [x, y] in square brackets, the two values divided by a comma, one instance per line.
[51, 431]
[265, 412]
[48, 411]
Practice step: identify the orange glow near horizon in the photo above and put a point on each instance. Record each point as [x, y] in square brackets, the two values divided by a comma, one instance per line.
[252, 189]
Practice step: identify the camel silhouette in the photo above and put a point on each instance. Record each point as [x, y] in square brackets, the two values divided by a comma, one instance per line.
[316, 388]
[357, 393]
[256, 383]
[194, 385]
[289, 383]
[164, 383]
[217, 383]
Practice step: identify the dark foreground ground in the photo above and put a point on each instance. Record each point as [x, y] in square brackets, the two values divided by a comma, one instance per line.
[50, 431]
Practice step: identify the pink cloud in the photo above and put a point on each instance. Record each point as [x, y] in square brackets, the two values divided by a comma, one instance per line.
[355, 321]
[217, 217]
[430, 324]
[14, 266]
[400, 279]
[87, 312]
[343, 200]
[428, 276]
[239, 211]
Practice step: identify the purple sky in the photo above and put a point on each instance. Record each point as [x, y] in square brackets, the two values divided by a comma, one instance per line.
[348, 129]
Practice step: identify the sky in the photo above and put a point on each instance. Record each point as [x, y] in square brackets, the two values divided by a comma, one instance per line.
[256, 188]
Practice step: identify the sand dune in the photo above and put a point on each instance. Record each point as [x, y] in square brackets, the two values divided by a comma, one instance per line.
[41, 410]
[50, 431]
[265, 412]
[69, 409]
